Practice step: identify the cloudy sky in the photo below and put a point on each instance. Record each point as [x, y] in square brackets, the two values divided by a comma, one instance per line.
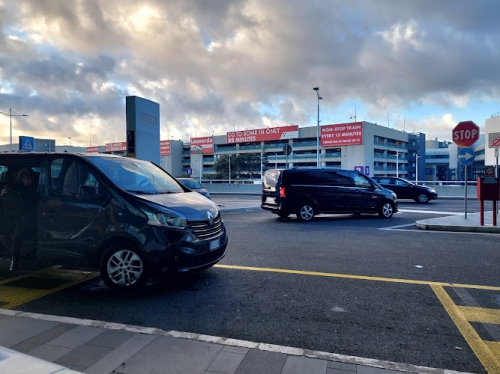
[220, 65]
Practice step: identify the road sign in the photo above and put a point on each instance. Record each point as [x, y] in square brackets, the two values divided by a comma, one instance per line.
[189, 171]
[287, 149]
[494, 140]
[26, 143]
[465, 134]
[359, 168]
[466, 156]
[489, 171]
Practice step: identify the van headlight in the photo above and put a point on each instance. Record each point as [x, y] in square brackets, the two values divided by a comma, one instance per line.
[166, 218]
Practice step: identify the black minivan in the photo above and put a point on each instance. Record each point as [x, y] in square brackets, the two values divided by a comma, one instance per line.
[126, 217]
[307, 192]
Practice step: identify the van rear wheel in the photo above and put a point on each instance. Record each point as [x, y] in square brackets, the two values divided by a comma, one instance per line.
[386, 210]
[123, 268]
[306, 213]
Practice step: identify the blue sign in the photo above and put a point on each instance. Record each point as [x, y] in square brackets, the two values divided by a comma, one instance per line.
[26, 143]
[367, 170]
[189, 171]
[465, 156]
[359, 168]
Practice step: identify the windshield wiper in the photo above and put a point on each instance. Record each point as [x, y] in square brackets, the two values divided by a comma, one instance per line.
[139, 192]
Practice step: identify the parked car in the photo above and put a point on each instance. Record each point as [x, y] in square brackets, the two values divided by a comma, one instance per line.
[126, 217]
[308, 192]
[408, 190]
[194, 185]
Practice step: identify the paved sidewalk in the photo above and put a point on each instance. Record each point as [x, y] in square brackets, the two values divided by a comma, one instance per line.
[97, 347]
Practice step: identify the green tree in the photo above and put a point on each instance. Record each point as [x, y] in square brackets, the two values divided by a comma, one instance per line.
[246, 165]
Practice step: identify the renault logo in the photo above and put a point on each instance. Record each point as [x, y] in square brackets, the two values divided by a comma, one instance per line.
[210, 219]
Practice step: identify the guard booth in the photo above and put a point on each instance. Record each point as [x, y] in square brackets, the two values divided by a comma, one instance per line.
[488, 188]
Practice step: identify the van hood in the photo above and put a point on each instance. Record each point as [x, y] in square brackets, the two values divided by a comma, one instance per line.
[192, 205]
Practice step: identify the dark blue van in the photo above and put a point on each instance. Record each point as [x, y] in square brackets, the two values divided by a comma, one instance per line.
[126, 217]
[308, 192]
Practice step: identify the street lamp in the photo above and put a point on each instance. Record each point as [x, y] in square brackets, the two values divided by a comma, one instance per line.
[397, 164]
[262, 158]
[317, 132]
[10, 123]
[416, 168]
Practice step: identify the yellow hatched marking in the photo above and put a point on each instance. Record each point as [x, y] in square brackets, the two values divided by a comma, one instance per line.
[15, 296]
[484, 315]
[481, 349]
[494, 347]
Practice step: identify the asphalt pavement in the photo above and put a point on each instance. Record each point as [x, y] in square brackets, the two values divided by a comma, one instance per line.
[36, 343]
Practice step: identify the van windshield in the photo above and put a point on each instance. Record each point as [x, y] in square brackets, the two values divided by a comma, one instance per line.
[136, 176]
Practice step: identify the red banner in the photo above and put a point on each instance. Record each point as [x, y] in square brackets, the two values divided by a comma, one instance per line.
[262, 135]
[342, 134]
[116, 147]
[205, 144]
[92, 150]
[164, 147]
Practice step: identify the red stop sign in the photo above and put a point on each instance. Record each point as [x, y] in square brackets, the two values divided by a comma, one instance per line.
[465, 134]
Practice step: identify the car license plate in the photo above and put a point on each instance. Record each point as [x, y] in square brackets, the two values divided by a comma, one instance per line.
[214, 244]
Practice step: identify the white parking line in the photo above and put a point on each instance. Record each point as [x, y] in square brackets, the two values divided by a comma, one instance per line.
[431, 212]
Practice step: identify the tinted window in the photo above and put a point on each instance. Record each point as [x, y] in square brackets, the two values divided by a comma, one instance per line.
[312, 177]
[67, 175]
[271, 178]
[361, 181]
[385, 180]
[338, 178]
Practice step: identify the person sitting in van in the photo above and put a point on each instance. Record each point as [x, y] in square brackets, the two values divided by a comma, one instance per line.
[21, 201]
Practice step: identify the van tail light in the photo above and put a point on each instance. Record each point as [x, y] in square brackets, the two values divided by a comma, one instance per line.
[282, 192]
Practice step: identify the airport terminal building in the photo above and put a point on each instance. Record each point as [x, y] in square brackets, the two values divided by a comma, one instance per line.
[370, 148]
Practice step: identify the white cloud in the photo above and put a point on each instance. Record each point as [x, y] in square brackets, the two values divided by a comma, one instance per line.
[217, 64]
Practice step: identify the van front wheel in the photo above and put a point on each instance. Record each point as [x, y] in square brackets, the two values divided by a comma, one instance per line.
[306, 213]
[386, 210]
[123, 268]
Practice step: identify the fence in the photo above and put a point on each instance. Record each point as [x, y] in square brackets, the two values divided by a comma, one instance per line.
[248, 186]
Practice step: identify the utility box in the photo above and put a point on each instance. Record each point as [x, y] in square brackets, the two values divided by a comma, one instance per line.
[488, 189]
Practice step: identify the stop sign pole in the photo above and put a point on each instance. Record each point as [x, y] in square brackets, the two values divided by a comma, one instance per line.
[464, 135]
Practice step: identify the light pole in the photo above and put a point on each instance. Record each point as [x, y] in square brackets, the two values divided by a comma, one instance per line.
[229, 163]
[10, 123]
[262, 158]
[416, 168]
[317, 130]
[397, 164]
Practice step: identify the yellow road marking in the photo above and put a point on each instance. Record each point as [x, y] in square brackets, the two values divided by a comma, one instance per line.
[15, 296]
[494, 347]
[359, 277]
[480, 348]
[485, 351]
[483, 315]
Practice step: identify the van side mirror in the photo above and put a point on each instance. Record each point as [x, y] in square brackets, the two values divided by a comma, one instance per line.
[88, 193]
